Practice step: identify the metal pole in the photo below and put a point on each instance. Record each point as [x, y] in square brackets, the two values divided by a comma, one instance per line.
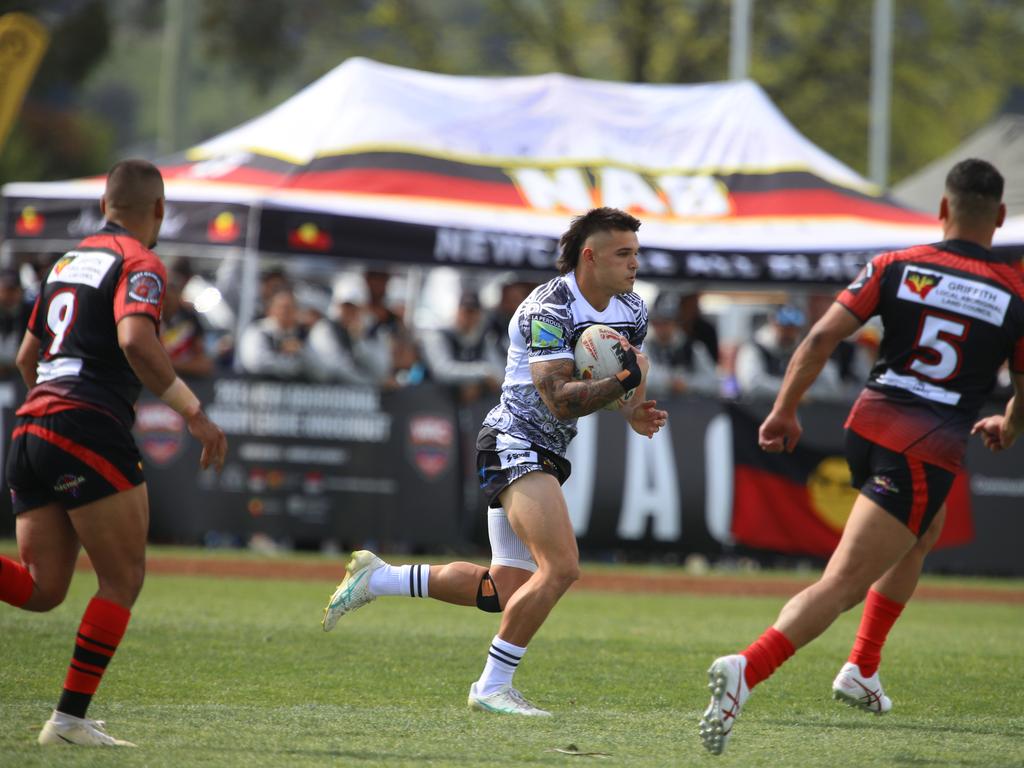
[881, 93]
[739, 41]
[174, 76]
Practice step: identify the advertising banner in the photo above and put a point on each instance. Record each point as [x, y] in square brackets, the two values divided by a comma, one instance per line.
[310, 464]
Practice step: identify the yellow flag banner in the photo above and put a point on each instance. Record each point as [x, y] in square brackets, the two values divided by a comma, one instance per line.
[23, 42]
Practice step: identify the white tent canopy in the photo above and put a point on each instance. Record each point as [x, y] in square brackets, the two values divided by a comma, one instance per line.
[387, 164]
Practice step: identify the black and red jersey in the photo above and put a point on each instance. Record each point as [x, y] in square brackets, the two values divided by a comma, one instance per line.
[952, 314]
[105, 278]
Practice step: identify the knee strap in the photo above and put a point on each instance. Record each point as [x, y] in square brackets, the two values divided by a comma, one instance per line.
[487, 595]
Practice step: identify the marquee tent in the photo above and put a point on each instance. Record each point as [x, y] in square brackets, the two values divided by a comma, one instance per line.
[1001, 142]
[384, 164]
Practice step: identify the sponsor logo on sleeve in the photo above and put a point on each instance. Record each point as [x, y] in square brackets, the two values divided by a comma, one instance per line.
[545, 335]
[952, 293]
[145, 287]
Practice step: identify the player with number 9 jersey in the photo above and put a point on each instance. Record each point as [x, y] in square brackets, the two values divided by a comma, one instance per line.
[107, 277]
[73, 468]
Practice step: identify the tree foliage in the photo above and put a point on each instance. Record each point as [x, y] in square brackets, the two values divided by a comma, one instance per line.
[52, 138]
[955, 61]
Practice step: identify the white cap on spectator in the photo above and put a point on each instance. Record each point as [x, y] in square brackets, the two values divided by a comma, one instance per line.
[350, 290]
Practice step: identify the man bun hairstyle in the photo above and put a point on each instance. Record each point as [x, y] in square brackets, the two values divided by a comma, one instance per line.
[582, 227]
[974, 189]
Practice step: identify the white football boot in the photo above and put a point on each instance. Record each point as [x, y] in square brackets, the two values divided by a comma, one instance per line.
[728, 694]
[354, 590]
[64, 729]
[861, 692]
[505, 701]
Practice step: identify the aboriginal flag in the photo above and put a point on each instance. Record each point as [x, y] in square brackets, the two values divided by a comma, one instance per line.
[797, 503]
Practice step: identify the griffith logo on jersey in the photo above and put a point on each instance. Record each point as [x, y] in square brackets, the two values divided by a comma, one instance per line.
[61, 263]
[966, 296]
[921, 283]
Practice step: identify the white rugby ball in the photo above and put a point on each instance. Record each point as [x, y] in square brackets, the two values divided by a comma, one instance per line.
[599, 353]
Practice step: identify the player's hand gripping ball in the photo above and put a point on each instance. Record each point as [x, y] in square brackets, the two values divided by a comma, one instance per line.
[600, 353]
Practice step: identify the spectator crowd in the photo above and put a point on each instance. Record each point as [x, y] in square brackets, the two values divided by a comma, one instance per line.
[356, 333]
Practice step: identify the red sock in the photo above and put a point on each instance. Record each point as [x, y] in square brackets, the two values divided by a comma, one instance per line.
[880, 613]
[765, 655]
[16, 583]
[101, 630]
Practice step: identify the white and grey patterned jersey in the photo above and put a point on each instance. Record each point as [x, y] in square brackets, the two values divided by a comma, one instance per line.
[546, 327]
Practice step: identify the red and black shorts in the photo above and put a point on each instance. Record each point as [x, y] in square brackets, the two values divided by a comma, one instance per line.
[909, 489]
[73, 458]
[502, 459]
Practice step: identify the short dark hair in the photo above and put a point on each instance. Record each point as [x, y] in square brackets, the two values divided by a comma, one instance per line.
[133, 184]
[974, 189]
[582, 227]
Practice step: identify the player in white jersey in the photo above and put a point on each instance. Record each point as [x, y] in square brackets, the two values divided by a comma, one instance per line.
[521, 454]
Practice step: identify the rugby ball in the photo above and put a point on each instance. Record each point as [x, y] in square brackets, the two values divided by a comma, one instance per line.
[599, 353]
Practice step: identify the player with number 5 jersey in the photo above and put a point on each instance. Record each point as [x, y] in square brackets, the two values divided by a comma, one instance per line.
[953, 314]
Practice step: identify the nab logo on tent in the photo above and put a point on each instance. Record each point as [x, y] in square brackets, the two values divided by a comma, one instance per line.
[921, 283]
[579, 189]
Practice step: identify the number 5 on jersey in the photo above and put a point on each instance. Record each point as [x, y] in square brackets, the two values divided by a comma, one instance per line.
[937, 351]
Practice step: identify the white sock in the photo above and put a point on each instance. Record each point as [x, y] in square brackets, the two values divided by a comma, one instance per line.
[401, 580]
[502, 660]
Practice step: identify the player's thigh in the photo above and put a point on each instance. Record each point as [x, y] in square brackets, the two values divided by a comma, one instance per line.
[931, 535]
[113, 532]
[48, 547]
[872, 541]
[539, 516]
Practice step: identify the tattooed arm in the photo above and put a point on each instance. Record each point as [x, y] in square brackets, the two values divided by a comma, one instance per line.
[567, 397]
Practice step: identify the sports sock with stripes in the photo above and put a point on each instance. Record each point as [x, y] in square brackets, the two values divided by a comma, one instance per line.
[502, 660]
[401, 580]
[880, 613]
[16, 583]
[102, 628]
[765, 655]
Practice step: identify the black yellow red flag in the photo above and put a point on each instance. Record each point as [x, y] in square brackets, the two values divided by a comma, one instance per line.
[797, 503]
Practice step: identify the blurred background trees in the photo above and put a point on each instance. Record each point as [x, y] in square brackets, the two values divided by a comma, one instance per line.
[97, 95]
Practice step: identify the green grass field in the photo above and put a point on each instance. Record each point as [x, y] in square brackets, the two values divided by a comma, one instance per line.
[221, 672]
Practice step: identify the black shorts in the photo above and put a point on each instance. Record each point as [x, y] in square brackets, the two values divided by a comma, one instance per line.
[909, 489]
[73, 458]
[502, 459]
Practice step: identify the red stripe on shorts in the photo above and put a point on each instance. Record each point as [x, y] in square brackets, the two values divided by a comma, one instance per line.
[919, 487]
[110, 473]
